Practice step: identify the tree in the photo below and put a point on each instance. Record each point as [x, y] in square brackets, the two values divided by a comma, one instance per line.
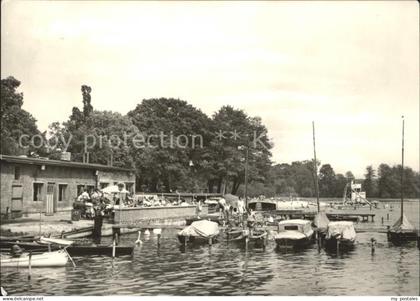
[388, 182]
[327, 181]
[340, 183]
[238, 136]
[369, 184]
[164, 165]
[349, 176]
[15, 122]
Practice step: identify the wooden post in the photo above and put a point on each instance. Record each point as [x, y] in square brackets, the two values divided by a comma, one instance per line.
[246, 242]
[30, 265]
[185, 241]
[49, 247]
[382, 220]
[210, 241]
[113, 248]
[158, 240]
[387, 216]
[338, 246]
[40, 220]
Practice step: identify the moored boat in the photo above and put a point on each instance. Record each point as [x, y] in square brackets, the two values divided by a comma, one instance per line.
[47, 259]
[294, 233]
[340, 235]
[199, 232]
[321, 222]
[402, 232]
[256, 237]
[75, 251]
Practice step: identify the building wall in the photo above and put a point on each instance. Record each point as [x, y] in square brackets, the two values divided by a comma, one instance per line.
[113, 177]
[30, 174]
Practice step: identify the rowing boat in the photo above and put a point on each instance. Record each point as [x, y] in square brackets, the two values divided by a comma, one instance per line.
[47, 259]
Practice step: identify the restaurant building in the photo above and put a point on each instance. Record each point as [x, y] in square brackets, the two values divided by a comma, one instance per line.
[33, 185]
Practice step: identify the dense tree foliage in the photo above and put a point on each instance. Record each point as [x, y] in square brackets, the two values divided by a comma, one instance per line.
[105, 135]
[172, 158]
[15, 121]
[174, 146]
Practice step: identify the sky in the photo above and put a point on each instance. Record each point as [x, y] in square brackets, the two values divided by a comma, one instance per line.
[352, 67]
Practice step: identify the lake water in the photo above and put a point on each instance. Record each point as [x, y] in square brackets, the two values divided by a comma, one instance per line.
[225, 269]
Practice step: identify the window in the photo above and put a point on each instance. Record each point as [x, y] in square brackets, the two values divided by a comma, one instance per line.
[62, 189]
[129, 187]
[80, 189]
[103, 185]
[37, 191]
[90, 189]
[17, 172]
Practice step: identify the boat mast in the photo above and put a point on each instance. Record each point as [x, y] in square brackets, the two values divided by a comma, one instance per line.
[402, 171]
[315, 167]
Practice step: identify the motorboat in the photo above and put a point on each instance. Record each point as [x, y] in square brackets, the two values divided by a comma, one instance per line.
[340, 235]
[294, 233]
[199, 232]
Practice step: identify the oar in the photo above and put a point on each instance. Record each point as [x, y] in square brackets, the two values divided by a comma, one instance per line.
[71, 259]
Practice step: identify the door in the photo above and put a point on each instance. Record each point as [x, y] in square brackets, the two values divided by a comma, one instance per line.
[49, 206]
[17, 200]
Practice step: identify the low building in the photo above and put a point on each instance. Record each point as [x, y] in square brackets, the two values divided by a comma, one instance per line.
[33, 185]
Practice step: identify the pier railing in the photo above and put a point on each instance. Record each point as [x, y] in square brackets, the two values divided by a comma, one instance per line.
[136, 215]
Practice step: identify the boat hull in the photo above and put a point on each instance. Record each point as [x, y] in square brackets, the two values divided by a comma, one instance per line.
[74, 250]
[99, 250]
[400, 238]
[49, 259]
[288, 243]
[257, 240]
[196, 240]
[343, 244]
[27, 246]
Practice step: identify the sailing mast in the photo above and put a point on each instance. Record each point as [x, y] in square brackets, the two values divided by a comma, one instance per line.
[402, 171]
[315, 167]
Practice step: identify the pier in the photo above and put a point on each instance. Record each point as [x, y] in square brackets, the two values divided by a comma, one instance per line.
[332, 215]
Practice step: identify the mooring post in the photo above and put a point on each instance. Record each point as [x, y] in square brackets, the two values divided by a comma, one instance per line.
[338, 246]
[185, 241]
[49, 247]
[387, 216]
[30, 265]
[40, 221]
[210, 241]
[158, 240]
[113, 247]
[382, 220]
[319, 243]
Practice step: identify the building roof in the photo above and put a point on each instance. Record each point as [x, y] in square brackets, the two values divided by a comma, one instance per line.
[45, 161]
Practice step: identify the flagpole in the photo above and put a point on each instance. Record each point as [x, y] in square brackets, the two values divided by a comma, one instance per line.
[402, 171]
[315, 167]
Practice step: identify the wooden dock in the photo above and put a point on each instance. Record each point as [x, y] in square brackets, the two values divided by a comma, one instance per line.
[333, 215]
